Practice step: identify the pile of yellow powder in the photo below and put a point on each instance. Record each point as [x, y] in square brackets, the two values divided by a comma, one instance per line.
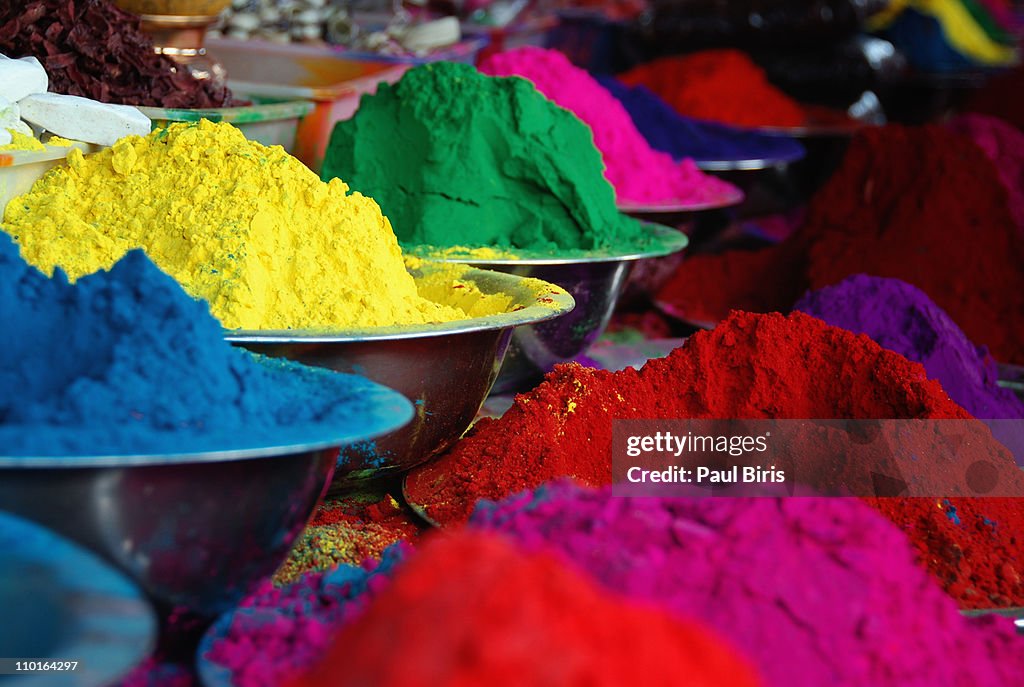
[246, 227]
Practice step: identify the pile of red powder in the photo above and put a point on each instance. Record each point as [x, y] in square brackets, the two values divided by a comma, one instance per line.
[750, 366]
[639, 173]
[720, 85]
[94, 49]
[924, 205]
[472, 609]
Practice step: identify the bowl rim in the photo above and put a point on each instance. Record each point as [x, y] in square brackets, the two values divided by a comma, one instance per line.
[533, 307]
[725, 200]
[666, 241]
[393, 411]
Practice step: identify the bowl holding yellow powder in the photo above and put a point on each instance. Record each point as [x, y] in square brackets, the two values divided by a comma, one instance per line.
[277, 252]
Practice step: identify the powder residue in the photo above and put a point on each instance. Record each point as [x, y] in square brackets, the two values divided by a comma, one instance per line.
[919, 204]
[686, 137]
[20, 141]
[1004, 145]
[638, 172]
[750, 366]
[903, 319]
[456, 158]
[276, 633]
[348, 529]
[720, 85]
[124, 362]
[246, 227]
[816, 591]
[94, 49]
[471, 609]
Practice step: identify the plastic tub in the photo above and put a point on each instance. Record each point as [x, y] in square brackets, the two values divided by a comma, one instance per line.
[270, 123]
[334, 83]
[19, 169]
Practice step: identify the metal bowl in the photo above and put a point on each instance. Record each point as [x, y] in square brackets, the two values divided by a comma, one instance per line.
[195, 531]
[446, 369]
[595, 281]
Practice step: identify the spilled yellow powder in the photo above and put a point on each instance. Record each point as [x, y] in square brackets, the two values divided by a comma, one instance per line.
[20, 141]
[246, 227]
[59, 142]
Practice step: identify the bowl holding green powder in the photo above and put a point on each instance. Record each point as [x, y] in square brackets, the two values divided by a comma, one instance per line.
[486, 170]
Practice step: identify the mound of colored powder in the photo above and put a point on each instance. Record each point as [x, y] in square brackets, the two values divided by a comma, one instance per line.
[685, 137]
[124, 362]
[277, 633]
[973, 546]
[93, 49]
[456, 158]
[750, 366]
[902, 318]
[471, 609]
[348, 529]
[246, 227]
[923, 205]
[720, 85]
[638, 173]
[816, 591]
[1004, 145]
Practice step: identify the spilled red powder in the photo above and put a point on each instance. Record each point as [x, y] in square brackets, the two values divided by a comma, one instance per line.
[924, 205]
[720, 85]
[471, 609]
[975, 547]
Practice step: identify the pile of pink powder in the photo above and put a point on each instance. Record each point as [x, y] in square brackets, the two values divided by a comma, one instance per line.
[816, 591]
[638, 173]
[1004, 145]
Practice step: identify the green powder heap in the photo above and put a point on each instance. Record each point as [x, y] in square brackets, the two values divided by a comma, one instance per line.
[456, 158]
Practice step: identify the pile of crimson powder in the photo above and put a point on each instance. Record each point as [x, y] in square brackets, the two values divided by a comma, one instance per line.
[94, 49]
[750, 366]
[470, 608]
[920, 204]
[817, 591]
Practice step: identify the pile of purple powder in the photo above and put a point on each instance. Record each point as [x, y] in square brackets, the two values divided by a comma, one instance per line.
[816, 591]
[903, 319]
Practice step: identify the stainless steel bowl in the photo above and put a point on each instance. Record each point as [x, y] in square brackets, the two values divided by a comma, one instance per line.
[195, 531]
[595, 281]
[447, 369]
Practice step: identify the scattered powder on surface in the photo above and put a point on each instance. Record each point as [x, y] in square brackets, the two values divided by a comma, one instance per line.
[686, 137]
[720, 85]
[93, 49]
[457, 158]
[750, 366]
[903, 319]
[638, 172]
[110, 366]
[278, 632]
[1004, 145]
[246, 227]
[920, 204]
[471, 609]
[348, 529]
[816, 591]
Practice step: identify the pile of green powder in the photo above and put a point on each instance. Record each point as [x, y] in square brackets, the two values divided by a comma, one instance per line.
[459, 159]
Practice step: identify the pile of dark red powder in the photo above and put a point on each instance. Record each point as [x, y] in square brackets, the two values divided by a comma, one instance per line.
[93, 49]
[924, 205]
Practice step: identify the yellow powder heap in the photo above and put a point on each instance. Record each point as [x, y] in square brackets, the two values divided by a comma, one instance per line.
[246, 227]
[20, 141]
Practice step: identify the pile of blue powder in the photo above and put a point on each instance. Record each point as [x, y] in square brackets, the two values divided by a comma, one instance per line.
[125, 362]
[684, 137]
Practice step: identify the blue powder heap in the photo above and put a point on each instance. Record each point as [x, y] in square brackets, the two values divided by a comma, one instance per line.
[125, 362]
[681, 137]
